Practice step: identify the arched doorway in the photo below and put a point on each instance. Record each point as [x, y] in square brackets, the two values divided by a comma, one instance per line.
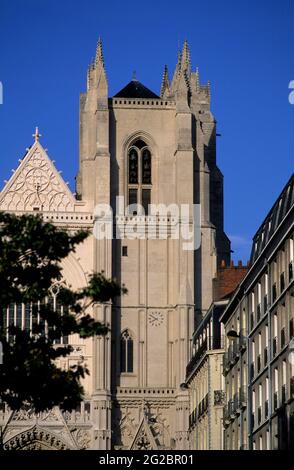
[35, 439]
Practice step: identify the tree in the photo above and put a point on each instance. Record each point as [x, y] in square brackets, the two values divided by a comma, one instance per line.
[30, 255]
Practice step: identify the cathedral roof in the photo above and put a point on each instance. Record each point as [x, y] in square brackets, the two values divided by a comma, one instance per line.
[135, 89]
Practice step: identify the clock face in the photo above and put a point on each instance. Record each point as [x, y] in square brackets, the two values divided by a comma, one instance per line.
[155, 318]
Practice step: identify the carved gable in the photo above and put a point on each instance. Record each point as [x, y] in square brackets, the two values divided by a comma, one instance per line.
[36, 185]
[144, 439]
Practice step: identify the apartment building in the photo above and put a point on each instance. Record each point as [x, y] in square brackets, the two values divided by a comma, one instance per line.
[259, 330]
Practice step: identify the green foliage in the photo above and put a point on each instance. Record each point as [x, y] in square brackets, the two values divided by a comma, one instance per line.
[30, 255]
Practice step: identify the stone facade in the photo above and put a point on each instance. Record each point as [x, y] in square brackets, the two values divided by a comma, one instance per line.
[134, 398]
[259, 326]
[205, 382]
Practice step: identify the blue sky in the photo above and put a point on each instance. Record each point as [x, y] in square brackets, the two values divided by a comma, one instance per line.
[244, 48]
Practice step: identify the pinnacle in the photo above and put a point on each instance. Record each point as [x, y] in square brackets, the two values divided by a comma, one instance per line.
[185, 57]
[99, 53]
[165, 81]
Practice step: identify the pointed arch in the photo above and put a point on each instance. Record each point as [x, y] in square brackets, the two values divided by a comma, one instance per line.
[140, 157]
[126, 351]
[35, 438]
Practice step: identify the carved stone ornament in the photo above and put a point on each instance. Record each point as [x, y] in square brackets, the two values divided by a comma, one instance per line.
[36, 186]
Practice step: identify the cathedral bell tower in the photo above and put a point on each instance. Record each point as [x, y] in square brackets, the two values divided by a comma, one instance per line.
[155, 150]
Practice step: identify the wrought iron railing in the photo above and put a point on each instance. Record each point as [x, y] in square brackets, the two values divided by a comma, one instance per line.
[199, 411]
[209, 343]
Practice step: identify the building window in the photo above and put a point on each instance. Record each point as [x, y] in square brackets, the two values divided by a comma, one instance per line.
[266, 404]
[139, 177]
[124, 251]
[291, 258]
[284, 384]
[27, 316]
[126, 352]
[276, 388]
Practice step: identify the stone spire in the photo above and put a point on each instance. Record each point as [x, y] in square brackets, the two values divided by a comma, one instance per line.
[197, 79]
[208, 89]
[185, 58]
[96, 76]
[99, 53]
[176, 72]
[165, 85]
[179, 63]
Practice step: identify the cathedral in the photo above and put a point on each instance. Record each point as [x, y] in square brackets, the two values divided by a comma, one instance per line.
[150, 149]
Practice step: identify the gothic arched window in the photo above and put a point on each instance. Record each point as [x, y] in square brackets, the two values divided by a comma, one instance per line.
[126, 352]
[139, 176]
[27, 316]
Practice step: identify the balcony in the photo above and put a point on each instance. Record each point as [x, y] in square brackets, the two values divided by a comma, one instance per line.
[266, 409]
[238, 403]
[206, 402]
[227, 414]
[275, 346]
[209, 343]
[242, 340]
[232, 355]
[236, 349]
[198, 354]
[265, 356]
[226, 364]
[202, 407]
[199, 411]
[283, 337]
[242, 397]
[236, 406]
[193, 418]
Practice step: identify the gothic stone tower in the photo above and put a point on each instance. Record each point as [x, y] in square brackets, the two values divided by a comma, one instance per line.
[159, 150]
